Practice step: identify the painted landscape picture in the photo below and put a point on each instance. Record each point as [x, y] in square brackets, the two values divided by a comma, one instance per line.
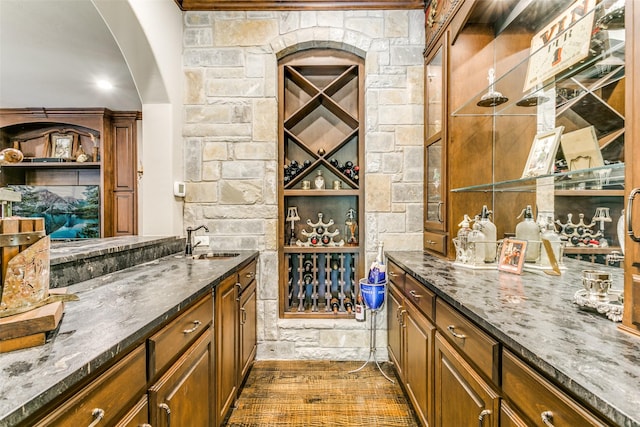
[69, 211]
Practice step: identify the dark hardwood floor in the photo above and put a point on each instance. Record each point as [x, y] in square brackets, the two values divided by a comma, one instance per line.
[320, 393]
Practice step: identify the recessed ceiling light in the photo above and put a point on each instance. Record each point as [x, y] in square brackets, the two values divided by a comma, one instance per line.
[104, 84]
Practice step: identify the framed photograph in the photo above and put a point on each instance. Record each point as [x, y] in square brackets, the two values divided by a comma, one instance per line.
[581, 149]
[62, 146]
[542, 153]
[512, 256]
[75, 214]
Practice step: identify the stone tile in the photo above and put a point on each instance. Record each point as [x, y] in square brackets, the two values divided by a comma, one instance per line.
[391, 222]
[201, 192]
[406, 55]
[413, 170]
[235, 87]
[400, 114]
[254, 150]
[396, 23]
[415, 218]
[214, 151]
[198, 37]
[208, 114]
[211, 171]
[381, 142]
[406, 193]
[241, 192]
[212, 57]
[409, 135]
[239, 212]
[377, 192]
[194, 87]
[392, 163]
[193, 159]
[308, 19]
[231, 131]
[244, 32]
[243, 169]
[330, 18]
[288, 21]
[194, 19]
[265, 123]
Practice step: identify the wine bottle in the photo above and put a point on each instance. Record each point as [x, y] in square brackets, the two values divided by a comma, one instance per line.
[378, 270]
[360, 312]
[335, 304]
[348, 305]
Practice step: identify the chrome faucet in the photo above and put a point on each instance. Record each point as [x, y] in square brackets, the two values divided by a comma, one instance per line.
[188, 249]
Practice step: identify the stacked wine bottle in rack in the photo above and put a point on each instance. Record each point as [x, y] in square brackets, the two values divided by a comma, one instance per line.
[321, 282]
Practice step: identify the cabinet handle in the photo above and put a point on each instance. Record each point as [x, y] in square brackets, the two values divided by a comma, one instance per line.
[244, 316]
[239, 286]
[196, 323]
[414, 294]
[547, 418]
[440, 211]
[145, 425]
[402, 312]
[630, 232]
[431, 242]
[452, 329]
[392, 274]
[483, 414]
[250, 275]
[166, 409]
[98, 415]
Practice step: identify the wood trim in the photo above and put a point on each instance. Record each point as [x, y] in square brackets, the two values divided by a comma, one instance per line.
[194, 5]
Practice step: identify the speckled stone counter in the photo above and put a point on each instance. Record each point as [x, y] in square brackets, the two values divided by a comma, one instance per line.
[115, 312]
[80, 260]
[534, 316]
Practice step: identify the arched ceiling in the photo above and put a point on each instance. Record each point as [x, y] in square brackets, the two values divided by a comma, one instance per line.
[53, 51]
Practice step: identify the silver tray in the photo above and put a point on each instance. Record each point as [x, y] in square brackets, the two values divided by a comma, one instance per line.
[611, 306]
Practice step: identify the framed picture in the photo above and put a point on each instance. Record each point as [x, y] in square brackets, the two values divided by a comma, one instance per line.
[69, 211]
[62, 145]
[542, 153]
[512, 255]
[581, 149]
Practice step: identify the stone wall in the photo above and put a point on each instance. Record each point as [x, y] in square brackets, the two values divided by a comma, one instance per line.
[230, 146]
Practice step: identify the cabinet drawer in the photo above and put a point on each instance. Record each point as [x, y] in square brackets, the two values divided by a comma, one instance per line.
[396, 275]
[537, 398]
[105, 398]
[435, 242]
[477, 346]
[138, 416]
[174, 338]
[420, 296]
[247, 275]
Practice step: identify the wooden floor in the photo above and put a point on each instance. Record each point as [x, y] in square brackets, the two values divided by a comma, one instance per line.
[320, 393]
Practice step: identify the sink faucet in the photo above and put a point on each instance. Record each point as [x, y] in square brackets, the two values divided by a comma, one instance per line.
[188, 249]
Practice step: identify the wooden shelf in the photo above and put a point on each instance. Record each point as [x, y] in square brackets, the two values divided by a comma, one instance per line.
[590, 193]
[324, 249]
[54, 165]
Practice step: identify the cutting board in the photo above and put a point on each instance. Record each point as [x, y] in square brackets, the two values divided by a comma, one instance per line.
[29, 329]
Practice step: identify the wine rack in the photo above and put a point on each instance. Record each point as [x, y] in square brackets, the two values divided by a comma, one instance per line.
[321, 182]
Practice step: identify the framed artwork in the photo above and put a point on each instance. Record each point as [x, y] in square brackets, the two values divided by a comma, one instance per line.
[542, 153]
[62, 146]
[69, 211]
[581, 149]
[512, 255]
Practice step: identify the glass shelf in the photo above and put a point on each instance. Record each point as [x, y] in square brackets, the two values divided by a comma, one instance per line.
[567, 87]
[584, 179]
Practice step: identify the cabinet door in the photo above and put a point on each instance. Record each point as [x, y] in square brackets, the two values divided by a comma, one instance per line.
[138, 416]
[248, 338]
[419, 333]
[183, 395]
[105, 399]
[395, 314]
[226, 332]
[462, 397]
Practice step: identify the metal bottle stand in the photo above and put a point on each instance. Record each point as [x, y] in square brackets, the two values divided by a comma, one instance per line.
[372, 339]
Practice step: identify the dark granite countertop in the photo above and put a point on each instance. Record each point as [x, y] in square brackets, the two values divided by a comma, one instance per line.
[534, 316]
[115, 312]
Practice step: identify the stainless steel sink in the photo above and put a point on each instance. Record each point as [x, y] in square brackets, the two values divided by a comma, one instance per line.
[216, 255]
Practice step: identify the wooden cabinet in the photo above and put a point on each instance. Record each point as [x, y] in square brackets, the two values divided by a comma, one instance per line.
[226, 331]
[183, 395]
[108, 398]
[138, 416]
[321, 182]
[410, 341]
[435, 171]
[235, 336]
[107, 140]
[537, 399]
[462, 397]
[631, 319]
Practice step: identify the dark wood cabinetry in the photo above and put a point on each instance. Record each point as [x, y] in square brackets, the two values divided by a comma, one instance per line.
[235, 336]
[410, 339]
[476, 402]
[107, 138]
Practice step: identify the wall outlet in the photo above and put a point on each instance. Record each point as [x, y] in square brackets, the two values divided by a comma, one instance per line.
[201, 241]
